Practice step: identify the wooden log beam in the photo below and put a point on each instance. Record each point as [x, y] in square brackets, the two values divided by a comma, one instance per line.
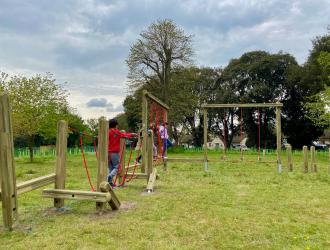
[76, 195]
[35, 183]
[132, 166]
[185, 160]
[155, 99]
[243, 105]
[114, 201]
[138, 175]
[152, 181]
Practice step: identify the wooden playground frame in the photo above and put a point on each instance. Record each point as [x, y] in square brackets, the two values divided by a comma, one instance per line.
[10, 190]
[148, 167]
[278, 107]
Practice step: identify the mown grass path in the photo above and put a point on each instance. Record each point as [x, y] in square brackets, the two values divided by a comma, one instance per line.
[233, 206]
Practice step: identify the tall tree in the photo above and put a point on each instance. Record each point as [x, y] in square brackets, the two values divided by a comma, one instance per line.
[159, 49]
[37, 102]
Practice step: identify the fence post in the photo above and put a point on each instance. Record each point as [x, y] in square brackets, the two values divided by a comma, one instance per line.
[313, 160]
[305, 159]
[61, 150]
[289, 156]
[329, 163]
[102, 170]
[7, 165]
[278, 139]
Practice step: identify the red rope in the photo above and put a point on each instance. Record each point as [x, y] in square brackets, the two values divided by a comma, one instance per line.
[258, 133]
[225, 132]
[136, 161]
[85, 163]
[129, 161]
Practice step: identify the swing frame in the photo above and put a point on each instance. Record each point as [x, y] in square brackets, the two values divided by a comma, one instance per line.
[276, 105]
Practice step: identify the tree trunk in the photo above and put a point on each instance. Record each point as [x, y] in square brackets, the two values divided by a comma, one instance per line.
[175, 135]
[30, 145]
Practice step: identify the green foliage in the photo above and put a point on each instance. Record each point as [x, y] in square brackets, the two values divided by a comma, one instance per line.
[37, 104]
[159, 49]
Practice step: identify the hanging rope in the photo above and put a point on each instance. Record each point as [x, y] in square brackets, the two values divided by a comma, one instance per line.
[85, 163]
[129, 161]
[241, 144]
[136, 161]
[258, 134]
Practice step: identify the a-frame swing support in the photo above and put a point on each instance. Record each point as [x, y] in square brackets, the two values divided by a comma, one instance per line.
[147, 157]
[278, 107]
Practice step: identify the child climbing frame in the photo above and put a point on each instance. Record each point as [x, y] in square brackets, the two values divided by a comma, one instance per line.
[146, 151]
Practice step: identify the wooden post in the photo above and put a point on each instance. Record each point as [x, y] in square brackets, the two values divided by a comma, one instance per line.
[329, 163]
[123, 162]
[289, 156]
[205, 140]
[61, 150]
[7, 165]
[102, 163]
[305, 159]
[144, 130]
[313, 160]
[150, 143]
[278, 139]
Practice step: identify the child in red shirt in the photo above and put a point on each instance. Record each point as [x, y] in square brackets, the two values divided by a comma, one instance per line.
[114, 148]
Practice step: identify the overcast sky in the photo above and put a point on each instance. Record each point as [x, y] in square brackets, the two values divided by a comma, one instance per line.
[85, 42]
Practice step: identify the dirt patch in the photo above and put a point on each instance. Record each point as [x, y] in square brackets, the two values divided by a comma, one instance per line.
[18, 228]
[56, 211]
[108, 214]
[146, 193]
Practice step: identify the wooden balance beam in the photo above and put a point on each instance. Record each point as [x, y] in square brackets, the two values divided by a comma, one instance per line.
[33, 184]
[107, 195]
[152, 181]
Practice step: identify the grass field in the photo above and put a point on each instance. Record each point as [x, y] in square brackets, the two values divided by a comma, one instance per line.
[234, 206]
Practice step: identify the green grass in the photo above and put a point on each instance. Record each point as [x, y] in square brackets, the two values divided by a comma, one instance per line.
[234, 206]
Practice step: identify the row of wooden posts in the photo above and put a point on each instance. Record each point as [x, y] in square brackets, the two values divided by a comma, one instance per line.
[312, 167]
[104, 194]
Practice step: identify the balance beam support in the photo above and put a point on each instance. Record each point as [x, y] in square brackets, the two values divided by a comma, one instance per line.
[7, 165]
[61, 150]
[305, 150]
[289, 157]
[102, 170]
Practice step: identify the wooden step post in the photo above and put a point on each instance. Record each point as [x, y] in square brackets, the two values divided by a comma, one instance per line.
[7, 165]
[61, 151]
[289, 157]
[313, 160]
[305, 159]
[102, 170]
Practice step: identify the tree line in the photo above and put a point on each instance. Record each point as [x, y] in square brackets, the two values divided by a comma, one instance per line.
[161, 62]
[38, 103]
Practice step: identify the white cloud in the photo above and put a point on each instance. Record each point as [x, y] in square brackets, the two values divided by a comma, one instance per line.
[86, 42]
